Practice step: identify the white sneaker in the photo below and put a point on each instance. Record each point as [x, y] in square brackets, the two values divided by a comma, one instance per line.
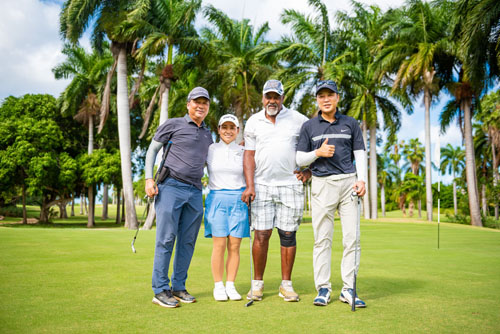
[220, 294]
[232, 293]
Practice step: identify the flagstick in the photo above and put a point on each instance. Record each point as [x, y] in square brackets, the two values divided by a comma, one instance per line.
[439, 201]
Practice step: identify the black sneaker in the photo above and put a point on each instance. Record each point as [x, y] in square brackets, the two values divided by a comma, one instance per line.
[184, 296]
[165, 299]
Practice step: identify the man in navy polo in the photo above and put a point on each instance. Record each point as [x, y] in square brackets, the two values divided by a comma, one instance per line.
[178, 204]
[328, 143]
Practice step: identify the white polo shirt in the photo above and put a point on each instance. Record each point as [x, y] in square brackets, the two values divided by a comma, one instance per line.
[225, 166]
[274, 146]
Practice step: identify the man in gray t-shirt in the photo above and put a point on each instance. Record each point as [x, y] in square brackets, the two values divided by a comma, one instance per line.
[178, 204]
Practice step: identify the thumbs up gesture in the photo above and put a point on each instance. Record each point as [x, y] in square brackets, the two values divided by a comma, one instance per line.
[325, 151]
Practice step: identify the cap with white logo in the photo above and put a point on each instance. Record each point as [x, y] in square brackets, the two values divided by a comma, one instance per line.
[273, 86]
[229, 118]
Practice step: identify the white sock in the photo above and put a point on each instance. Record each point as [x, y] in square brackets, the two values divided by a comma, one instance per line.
[219, 285]
[229, 284]
[286, 283]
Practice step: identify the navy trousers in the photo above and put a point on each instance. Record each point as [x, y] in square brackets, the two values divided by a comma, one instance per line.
[179, 210]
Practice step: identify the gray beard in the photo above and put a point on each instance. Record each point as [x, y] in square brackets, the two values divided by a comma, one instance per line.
[272, 112]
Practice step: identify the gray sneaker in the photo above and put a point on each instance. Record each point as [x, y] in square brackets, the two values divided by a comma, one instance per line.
[184, 296]
[165, 299]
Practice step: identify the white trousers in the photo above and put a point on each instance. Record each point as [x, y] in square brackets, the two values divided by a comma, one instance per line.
[330, 193]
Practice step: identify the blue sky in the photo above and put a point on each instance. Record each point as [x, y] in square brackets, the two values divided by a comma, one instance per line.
[30, 46]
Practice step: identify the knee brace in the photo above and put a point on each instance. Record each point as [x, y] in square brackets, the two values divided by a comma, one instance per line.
[287, 239]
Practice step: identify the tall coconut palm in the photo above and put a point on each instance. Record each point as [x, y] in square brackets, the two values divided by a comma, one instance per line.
[416, 52]
[452, 162]
[235, 73]
[482, 150]
[107, 18]
[166, 25]
[88, 74]
[310, 53]
[363, 34]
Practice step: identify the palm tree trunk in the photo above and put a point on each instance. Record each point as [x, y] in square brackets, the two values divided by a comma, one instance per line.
[484, 200]
[455, 208]
[428, 159]
[25, 213]
[373, 171]
[82, 198]
[90, 217]
[382, 199]
[495, 175]
[105, 201]
[470, 166]
[124, 137]
[124, 218]
[73, 195]
[150, 218]
[164, 102]
[411, 207]
[366, 199]
[85, 204]
[118, 195]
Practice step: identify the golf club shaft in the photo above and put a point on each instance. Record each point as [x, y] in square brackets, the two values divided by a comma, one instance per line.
[251, 248]
[356, 250]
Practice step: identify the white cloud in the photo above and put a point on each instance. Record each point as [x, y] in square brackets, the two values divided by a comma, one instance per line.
[29, 47]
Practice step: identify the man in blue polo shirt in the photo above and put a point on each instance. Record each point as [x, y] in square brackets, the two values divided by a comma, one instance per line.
[178, 204]
[328, 143]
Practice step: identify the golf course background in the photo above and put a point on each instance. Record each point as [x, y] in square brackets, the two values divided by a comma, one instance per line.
[64, 278]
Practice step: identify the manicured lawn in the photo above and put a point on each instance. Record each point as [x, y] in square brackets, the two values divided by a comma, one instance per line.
[76, 280]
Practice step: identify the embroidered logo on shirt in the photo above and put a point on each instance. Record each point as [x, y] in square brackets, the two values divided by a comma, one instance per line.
[344, 130]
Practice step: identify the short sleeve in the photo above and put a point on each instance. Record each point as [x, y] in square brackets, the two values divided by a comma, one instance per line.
[249, 135]
[164, 131]
[304, 144]
[357, 137]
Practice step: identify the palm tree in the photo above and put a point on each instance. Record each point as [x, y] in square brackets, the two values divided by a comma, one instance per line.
[234, 72]
[363, 33]
[167, 25]
[483, 157]
[309, 54]
[490, 118]
[413, 187]
[452, 162]
[107, 19]
[416, 51]
[387, 170]
[88, 72]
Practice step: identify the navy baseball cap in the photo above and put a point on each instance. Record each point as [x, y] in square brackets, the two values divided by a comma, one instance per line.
[328, 84]
[198, 92]
[273, 86]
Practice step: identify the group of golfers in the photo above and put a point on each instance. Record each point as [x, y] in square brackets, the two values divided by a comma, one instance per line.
[266, 174]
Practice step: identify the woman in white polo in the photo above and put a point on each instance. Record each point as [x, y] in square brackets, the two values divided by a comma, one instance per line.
[226, 216]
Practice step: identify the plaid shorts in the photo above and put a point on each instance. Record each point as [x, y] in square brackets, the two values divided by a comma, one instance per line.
[278, 206]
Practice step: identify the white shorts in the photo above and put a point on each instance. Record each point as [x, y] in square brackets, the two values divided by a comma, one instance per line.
[278, 206]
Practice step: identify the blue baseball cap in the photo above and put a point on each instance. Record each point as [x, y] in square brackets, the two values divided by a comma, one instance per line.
[328, 84]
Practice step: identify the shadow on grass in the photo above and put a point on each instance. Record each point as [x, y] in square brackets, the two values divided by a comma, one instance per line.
[383, 287]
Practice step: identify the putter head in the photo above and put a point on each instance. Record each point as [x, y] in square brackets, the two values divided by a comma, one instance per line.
[250, 303]
[133, 248]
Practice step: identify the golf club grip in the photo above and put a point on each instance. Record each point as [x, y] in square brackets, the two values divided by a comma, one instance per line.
[164, 157]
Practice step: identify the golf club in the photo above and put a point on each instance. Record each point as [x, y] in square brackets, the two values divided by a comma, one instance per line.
[356, 250]
[138, 227]
[150, 200]
[250, 303]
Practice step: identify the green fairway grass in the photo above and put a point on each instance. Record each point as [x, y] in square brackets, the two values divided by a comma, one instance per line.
[77, 280]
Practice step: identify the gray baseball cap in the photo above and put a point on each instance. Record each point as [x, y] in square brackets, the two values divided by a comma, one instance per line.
[328, 84]
[198, 92]
[273, 86]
